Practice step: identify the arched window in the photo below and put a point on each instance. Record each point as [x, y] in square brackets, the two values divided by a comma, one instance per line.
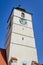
[22, 15]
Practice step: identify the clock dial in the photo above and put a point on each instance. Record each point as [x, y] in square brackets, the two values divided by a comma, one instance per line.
[23, 21]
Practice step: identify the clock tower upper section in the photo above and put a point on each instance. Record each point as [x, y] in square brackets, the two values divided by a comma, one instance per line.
[20, 25]
[19, 13]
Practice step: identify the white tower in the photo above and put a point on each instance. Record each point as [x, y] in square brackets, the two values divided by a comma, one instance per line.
[20, 42]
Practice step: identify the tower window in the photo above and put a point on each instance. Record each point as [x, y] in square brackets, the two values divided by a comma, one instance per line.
[22, 38]
[22, 15]
[22, 28]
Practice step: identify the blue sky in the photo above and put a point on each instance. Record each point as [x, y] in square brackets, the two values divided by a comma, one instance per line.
[33, 6]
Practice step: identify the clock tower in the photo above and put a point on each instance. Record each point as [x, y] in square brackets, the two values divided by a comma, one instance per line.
[20, 41]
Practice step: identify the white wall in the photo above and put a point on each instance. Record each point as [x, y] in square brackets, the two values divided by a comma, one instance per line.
[23, 53]
[16, 38]
[8, 52]
[22, 30]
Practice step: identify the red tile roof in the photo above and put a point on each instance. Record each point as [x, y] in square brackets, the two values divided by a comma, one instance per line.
[3, 58]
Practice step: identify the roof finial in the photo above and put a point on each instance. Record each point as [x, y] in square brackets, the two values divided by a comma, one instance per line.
[19, 6]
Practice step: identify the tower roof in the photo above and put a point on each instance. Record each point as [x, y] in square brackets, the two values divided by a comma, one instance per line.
[20, 8]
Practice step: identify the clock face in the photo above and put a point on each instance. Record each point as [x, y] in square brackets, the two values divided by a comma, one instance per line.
[23, 21]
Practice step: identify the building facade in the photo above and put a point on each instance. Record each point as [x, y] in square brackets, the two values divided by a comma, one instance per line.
[20, 42]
